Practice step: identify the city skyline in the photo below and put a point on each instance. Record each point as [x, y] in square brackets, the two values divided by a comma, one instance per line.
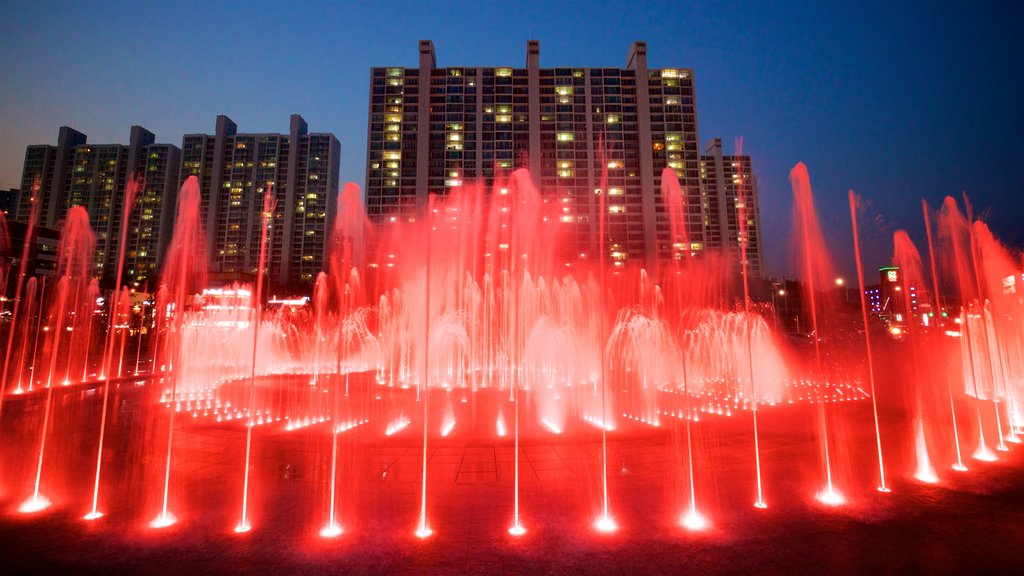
[883, 101]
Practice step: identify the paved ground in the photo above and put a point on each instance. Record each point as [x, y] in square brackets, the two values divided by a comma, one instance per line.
[969, 523]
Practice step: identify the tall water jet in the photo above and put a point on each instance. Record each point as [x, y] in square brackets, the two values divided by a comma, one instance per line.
[116, 308]
[350, 231]
[807, 235]
[984, 302]
[744, 241]
[605, 523]
[997, 273]
[959, 464]
[265, 218]
[19, 282]
[119, 308]
[128, 203]
[423, 529]
[955, 229]
[32, 286]
[74, 261]
[692, 518]
[907, 259]
[184, 270]
[882, 487]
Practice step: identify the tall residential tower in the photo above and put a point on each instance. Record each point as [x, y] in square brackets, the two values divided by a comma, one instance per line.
[234, 170]
[431, 129]
[94, 176]
[731, 189]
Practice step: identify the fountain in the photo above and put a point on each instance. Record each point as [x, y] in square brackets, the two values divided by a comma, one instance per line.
[462, 328]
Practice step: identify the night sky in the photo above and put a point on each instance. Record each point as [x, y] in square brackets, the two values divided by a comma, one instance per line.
[898, 102]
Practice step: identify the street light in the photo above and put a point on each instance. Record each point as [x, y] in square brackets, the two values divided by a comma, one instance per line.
[840, 283]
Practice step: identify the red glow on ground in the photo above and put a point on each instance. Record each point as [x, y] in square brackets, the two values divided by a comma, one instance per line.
[331, 531]
[163, 520]
[694, 521]
[830, 497]
[985, 454]
[606, 524]
[36, 503]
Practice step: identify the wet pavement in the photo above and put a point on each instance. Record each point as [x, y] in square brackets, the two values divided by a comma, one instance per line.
[969, 523]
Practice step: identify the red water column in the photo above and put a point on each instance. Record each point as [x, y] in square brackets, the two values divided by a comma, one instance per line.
[130, 191]
[908, 260]
[30, 230]
[183, 273]
[954, 231]
[816, 267]
[867, 339]
[74, 268]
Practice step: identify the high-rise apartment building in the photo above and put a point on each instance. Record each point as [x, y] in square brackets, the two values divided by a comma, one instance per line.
[731, 190]
[9, 203]
[431, 129]
[50, 166]
[234, 171]
[75, 173]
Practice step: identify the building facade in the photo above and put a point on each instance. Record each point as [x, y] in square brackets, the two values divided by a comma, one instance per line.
[431, 129]
[75, 173]
[731, 192]
[234, 170]
[9, 203]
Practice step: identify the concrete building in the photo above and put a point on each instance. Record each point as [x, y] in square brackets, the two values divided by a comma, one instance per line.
[41, 255]
[431, 129]
[234, 170]
[49, 168]
[731, 191]
[9, 203]
[75, 173]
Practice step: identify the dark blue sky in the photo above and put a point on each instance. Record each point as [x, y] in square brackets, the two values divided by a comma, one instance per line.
[898, 102]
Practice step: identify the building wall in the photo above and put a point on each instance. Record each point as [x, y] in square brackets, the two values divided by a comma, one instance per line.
[234, 170]
[731, 188]
[50, 166]
[9, 201]
[75, 173]
[432, 129]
